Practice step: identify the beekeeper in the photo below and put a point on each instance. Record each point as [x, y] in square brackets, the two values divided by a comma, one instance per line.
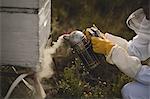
[127, 56]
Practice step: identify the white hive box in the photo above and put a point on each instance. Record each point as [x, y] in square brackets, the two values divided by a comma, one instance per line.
[25, 31]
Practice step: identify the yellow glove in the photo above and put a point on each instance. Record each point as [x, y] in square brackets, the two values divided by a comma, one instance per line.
[87, 33]
[101, 45]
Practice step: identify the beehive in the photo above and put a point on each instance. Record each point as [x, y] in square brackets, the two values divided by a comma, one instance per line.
[25, 28]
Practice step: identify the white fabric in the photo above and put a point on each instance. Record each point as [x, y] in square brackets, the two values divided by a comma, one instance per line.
[137, 21]
[135, 90]
[139, 47]
[117, 40]
[130, 65]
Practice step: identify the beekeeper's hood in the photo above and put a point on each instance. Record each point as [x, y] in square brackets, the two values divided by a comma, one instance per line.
[137, 21]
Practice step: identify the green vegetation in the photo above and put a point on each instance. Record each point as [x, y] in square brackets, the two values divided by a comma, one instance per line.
[75, 81]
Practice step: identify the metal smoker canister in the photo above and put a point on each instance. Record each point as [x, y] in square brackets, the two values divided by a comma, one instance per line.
[83, 48]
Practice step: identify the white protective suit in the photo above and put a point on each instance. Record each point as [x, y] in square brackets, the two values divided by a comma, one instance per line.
[127, 56]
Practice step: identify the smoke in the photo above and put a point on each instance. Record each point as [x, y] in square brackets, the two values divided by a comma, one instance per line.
[47, 60]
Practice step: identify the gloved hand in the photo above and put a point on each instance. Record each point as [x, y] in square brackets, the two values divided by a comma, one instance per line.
[117, 40]
[101, 45]
[93, 31]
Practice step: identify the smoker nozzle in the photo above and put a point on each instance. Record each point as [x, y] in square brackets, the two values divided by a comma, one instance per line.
[66, 37]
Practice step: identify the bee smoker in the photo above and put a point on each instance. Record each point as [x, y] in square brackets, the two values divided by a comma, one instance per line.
[83, 48]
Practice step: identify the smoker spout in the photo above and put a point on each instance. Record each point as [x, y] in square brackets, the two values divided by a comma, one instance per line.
[66, 37]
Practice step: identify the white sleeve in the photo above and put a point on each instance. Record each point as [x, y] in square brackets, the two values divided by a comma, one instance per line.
[117, 40]
[139, 47]
[129, 65]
